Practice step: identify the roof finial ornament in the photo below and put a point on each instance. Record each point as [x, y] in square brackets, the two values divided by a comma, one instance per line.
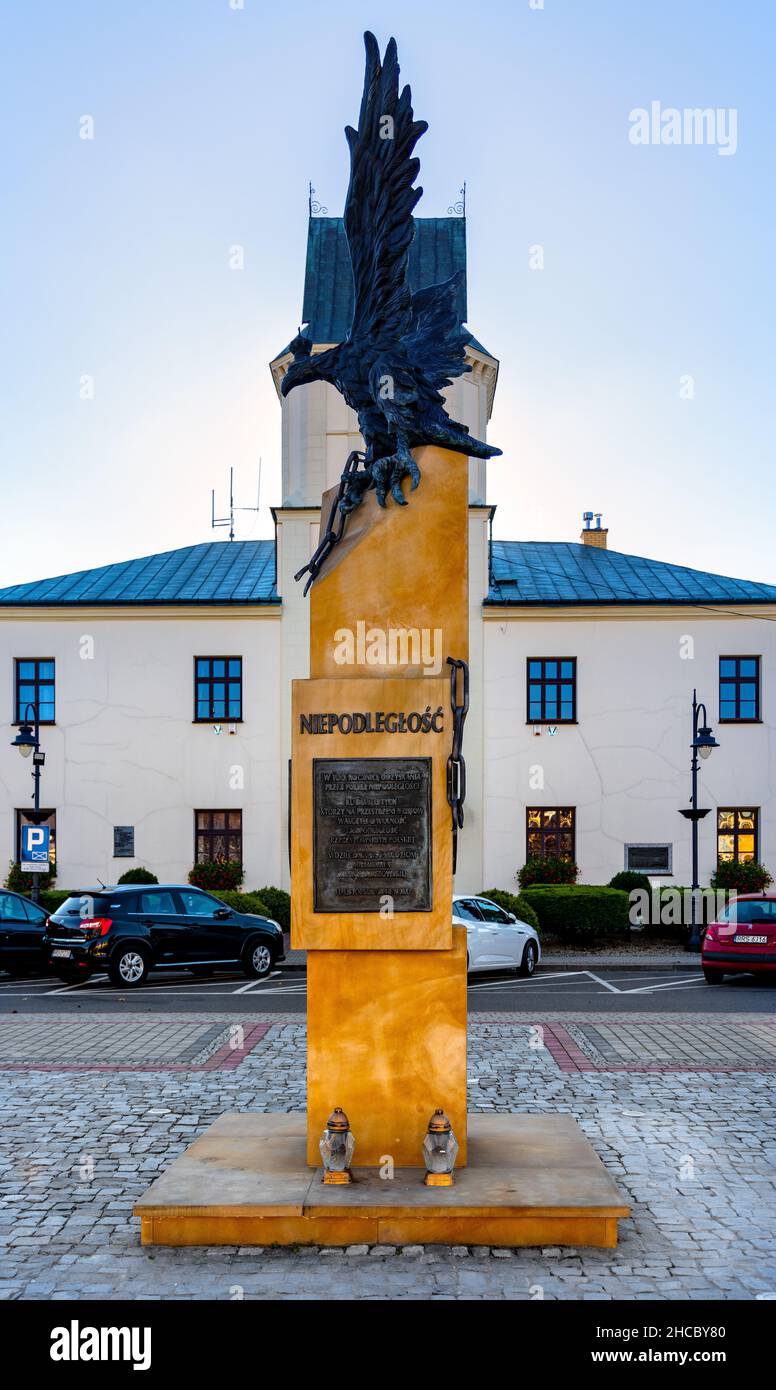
[316, 209]
[459, 209]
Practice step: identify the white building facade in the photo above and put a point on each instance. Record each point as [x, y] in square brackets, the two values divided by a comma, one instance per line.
[163, 683]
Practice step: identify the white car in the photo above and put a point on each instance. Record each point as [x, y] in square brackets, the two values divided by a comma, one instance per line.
[496, 939]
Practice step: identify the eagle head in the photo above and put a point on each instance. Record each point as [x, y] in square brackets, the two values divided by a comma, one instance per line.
[301, 369]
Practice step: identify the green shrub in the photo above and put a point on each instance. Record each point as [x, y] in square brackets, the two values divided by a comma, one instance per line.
[741, 876]
[139, 875]
[18, 882]
[628, 879]
[547, 869]
[242, 902]
[217, 873]
[577, 912]
[279, 904]
[516, 903]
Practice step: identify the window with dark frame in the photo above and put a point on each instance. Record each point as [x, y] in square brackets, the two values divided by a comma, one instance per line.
[550, 830]
[738, 833]
[35, 684]
[217, 689]
[48, 818]
[552, 689]
[739, 689]
[218, 836]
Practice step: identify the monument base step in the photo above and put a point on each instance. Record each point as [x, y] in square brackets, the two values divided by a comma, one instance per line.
[530, 1180]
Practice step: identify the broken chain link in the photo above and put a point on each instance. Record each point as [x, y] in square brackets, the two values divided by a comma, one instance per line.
[352, 486]
[456, 767]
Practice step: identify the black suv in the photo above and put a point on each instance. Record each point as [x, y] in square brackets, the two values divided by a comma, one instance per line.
[131, 930]
[22, 926]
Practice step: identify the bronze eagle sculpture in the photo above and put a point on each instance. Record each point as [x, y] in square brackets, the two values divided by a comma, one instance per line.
[402, 349]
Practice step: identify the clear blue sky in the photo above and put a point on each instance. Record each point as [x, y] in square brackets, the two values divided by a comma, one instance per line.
[209, 122]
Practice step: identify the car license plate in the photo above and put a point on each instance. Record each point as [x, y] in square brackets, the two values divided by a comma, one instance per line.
[750, 940]
[62, 953]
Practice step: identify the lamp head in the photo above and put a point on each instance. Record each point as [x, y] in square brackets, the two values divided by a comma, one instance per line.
[705, 742]
[25, 740]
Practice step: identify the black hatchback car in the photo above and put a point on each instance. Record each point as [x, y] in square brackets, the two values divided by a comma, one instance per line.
[130, 930]
[22, 928]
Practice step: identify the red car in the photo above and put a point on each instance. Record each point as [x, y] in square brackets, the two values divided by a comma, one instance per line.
[743, 939]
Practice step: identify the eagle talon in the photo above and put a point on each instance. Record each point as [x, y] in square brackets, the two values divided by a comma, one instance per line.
[396, 493]
[381, 477]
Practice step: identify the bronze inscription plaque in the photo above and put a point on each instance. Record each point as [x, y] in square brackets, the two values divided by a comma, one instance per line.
[372, 834]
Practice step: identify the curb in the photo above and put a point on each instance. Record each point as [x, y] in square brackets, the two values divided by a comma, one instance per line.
[554, 963]
[557, 964]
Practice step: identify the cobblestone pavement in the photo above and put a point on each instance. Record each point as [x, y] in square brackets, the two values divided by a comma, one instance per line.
[693, 1150]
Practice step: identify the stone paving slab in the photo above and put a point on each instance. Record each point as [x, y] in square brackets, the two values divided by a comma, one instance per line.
[636, 1044]
[67, 1042]
[692, 1151]
[590, 1042]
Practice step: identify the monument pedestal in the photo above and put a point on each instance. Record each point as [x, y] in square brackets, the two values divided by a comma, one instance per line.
[386, 1030]
[372, 871]
[530, 1180]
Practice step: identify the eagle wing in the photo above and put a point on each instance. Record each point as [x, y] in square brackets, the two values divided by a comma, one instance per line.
[381, 199]
[436, 339]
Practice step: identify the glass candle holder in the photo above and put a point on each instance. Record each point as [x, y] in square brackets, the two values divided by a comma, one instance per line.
[337, 1145]
[440, 1150]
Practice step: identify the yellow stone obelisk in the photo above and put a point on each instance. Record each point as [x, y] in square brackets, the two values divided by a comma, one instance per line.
[386, 992]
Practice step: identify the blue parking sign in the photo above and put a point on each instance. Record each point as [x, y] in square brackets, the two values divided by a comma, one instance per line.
[35, 849]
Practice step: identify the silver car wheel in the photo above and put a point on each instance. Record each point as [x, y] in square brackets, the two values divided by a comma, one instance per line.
[261, 959]
[131, 967]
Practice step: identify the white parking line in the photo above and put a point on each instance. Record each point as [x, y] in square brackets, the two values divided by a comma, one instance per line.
[278, 983]
[613, 988]
[278, 989]
[527, 980]
[143, 993]
[572, 977]
[669, 984]
[81, 984]
[547, 981]
[270, 985]
[13, 986]
[255, 984]
[25, 979]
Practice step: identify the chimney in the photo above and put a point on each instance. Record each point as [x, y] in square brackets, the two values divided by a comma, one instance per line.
[594, 535]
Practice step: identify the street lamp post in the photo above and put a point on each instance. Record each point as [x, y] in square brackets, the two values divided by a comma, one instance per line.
[703, 741]
[28, 741]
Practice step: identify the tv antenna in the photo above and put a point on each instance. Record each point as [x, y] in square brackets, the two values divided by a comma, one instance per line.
[216, 521]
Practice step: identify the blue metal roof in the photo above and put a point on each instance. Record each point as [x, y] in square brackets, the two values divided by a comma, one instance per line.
[554, 572]
[438, 250]
[523, 572]
[215, 572]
